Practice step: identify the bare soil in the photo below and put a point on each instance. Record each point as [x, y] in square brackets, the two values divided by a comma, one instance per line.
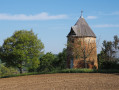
[72, 81]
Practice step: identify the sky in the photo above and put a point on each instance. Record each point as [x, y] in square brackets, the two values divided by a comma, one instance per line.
[51, 20]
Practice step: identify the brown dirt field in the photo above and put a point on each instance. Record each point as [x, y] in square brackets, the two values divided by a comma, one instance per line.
[72, 81]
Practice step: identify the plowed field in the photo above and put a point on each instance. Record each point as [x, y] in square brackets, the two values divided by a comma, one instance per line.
[77, 81]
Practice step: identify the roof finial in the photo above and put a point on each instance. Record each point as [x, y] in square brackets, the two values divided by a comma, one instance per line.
[81, 13]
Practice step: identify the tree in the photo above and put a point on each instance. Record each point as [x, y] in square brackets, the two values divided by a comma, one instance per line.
[106, 57]
[21, 49]
[116, 42]
[60, 60]
[46, 62]
[109, 48]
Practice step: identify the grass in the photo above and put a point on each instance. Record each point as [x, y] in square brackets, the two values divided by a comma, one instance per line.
[64, 71]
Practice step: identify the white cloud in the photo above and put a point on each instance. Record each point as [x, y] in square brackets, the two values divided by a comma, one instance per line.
[115, 13]
[41, 16]
[109, 14]
[106, 25]
[91, 17]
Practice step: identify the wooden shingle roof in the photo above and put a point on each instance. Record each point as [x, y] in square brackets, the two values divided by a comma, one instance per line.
[81, 29]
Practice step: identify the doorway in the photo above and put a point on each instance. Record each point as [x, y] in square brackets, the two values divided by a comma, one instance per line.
[71, 63]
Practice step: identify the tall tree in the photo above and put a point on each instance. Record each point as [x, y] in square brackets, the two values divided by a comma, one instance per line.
[46, 62]
[60, 60]
[106, 57]
[116, 42]
[22, 48]
[109, 48]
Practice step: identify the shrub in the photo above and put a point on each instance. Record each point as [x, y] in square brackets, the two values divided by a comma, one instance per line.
[46, 63]
[77, 71]
[60, 61]
[4, 71]
[109, 65]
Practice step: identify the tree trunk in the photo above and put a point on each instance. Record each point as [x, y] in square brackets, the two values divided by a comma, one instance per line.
[20, 70]
[85, 63]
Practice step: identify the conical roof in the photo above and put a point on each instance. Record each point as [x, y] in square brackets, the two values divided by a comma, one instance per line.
[81, 29]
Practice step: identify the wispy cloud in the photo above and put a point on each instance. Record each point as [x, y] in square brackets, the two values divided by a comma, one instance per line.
[109, 14]
[115, 13]
[41, 16]
[106, 25]
[91, 17]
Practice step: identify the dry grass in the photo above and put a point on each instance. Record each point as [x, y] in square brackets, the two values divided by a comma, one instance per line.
[69, 81]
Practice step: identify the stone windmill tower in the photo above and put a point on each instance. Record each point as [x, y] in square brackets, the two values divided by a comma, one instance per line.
[81, 46]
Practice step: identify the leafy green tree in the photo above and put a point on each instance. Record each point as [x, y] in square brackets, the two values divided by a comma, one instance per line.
[107, 49]
[106, 60]
[46, 62]
[60, 61]
[21, 49]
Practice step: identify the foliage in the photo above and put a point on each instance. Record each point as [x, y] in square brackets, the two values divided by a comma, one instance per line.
[16, 75]
[66, 71]
[23, 48]
[60, 60]
[106, 59]
[50, 62]
[85, 70]
[78, 71]
[46, 62]
[5, 71]
[106, 64]
[108, 71]
[107, 49]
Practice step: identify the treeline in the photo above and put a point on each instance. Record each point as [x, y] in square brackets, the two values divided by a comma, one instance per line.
[24, 52]
[50, 62]
[108, 58]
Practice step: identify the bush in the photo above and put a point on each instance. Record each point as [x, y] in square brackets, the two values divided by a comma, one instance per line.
[46, 63]
[60, 61]
[108, 71]
[77, 71]
[4, 71]
[109, 65]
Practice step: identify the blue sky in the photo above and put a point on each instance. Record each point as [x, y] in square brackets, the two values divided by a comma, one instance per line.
[52, 19]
